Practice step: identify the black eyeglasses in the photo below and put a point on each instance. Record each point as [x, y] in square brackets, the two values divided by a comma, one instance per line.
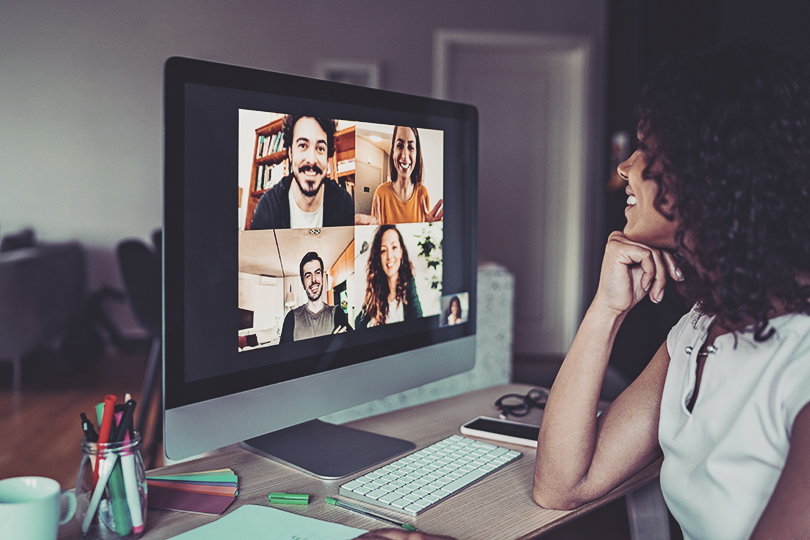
[518, 405]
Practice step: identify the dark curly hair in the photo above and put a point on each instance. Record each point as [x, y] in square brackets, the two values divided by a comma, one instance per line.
[727, 137]
[375, 303]
[327, 124]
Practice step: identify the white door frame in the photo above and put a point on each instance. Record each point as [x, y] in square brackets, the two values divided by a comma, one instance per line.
[578, 218]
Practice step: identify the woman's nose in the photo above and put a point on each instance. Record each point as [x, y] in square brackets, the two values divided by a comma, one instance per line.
[624, 167]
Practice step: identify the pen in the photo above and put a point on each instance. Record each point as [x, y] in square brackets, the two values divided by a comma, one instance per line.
[127, 399]
[369, 513]
[126, 420]
[104, 431]
[90, 436]
[128, 467]
[117, 497]
[89, 431]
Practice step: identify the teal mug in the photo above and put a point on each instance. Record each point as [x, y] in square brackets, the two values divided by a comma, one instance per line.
[30, 507]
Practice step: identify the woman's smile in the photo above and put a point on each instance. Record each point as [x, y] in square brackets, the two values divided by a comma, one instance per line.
[645, 221]
[404, 151]
[391, 253]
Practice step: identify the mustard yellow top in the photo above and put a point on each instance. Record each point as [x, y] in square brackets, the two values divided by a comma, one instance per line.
[392, 210]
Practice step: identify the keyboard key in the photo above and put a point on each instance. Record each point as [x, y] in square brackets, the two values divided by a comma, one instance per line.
[389, 498]
[463, 481]
[377, 493]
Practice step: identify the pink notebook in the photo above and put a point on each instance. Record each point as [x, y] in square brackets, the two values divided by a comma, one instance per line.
[205, 492]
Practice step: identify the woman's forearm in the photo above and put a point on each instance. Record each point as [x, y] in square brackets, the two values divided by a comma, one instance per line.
[568, 432]
[579, 457]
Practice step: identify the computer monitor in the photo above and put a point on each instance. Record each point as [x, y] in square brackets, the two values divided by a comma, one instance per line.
[278, 307]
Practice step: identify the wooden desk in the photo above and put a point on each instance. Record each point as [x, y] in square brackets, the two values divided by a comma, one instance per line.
[498, 507]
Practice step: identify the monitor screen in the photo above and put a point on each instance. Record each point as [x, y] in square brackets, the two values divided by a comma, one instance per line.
[319, 249]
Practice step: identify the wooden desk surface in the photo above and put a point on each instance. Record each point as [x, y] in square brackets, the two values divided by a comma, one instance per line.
[498, 507]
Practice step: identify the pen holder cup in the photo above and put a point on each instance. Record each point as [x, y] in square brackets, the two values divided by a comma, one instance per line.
[116, 501]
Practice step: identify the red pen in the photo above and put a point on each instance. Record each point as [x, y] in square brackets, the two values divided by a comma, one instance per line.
[104, 431]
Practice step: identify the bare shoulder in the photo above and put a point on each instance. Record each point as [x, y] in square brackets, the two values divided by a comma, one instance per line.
[421, 190]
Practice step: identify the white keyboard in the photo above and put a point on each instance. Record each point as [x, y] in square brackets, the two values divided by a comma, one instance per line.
[416, 482]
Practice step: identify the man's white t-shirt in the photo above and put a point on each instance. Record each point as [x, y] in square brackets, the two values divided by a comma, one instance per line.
[723, 459]
[304, 220]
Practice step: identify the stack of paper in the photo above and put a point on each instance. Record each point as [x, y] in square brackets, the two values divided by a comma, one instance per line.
[206, 492]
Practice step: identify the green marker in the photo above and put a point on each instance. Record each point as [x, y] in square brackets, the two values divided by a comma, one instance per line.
[369, 513]
[288, 498]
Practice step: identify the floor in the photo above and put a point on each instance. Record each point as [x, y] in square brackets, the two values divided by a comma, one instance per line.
[41, 427]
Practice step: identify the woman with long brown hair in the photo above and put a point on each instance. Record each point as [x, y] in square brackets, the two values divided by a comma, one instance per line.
[390, 286]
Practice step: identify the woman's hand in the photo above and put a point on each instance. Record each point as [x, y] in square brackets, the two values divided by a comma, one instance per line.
[399, 534]
[374, 218]
[433, 215]
[365, 219]
[630, 271]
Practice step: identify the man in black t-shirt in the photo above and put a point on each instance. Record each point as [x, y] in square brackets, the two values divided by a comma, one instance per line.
[316, 317]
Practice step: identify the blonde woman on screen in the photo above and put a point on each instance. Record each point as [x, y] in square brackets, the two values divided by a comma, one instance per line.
[391, 294]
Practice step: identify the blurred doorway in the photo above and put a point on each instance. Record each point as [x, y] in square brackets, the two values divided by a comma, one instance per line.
[534, 96]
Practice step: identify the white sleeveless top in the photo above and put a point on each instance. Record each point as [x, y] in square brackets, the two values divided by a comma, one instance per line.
[722, 460]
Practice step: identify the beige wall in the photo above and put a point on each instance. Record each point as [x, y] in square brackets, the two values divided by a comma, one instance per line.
[81, 88]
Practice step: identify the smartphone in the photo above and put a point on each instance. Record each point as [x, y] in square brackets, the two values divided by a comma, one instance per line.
[502, 430]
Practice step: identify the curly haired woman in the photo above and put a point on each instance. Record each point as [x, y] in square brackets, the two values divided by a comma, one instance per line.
[390, 288]
[718, 200]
